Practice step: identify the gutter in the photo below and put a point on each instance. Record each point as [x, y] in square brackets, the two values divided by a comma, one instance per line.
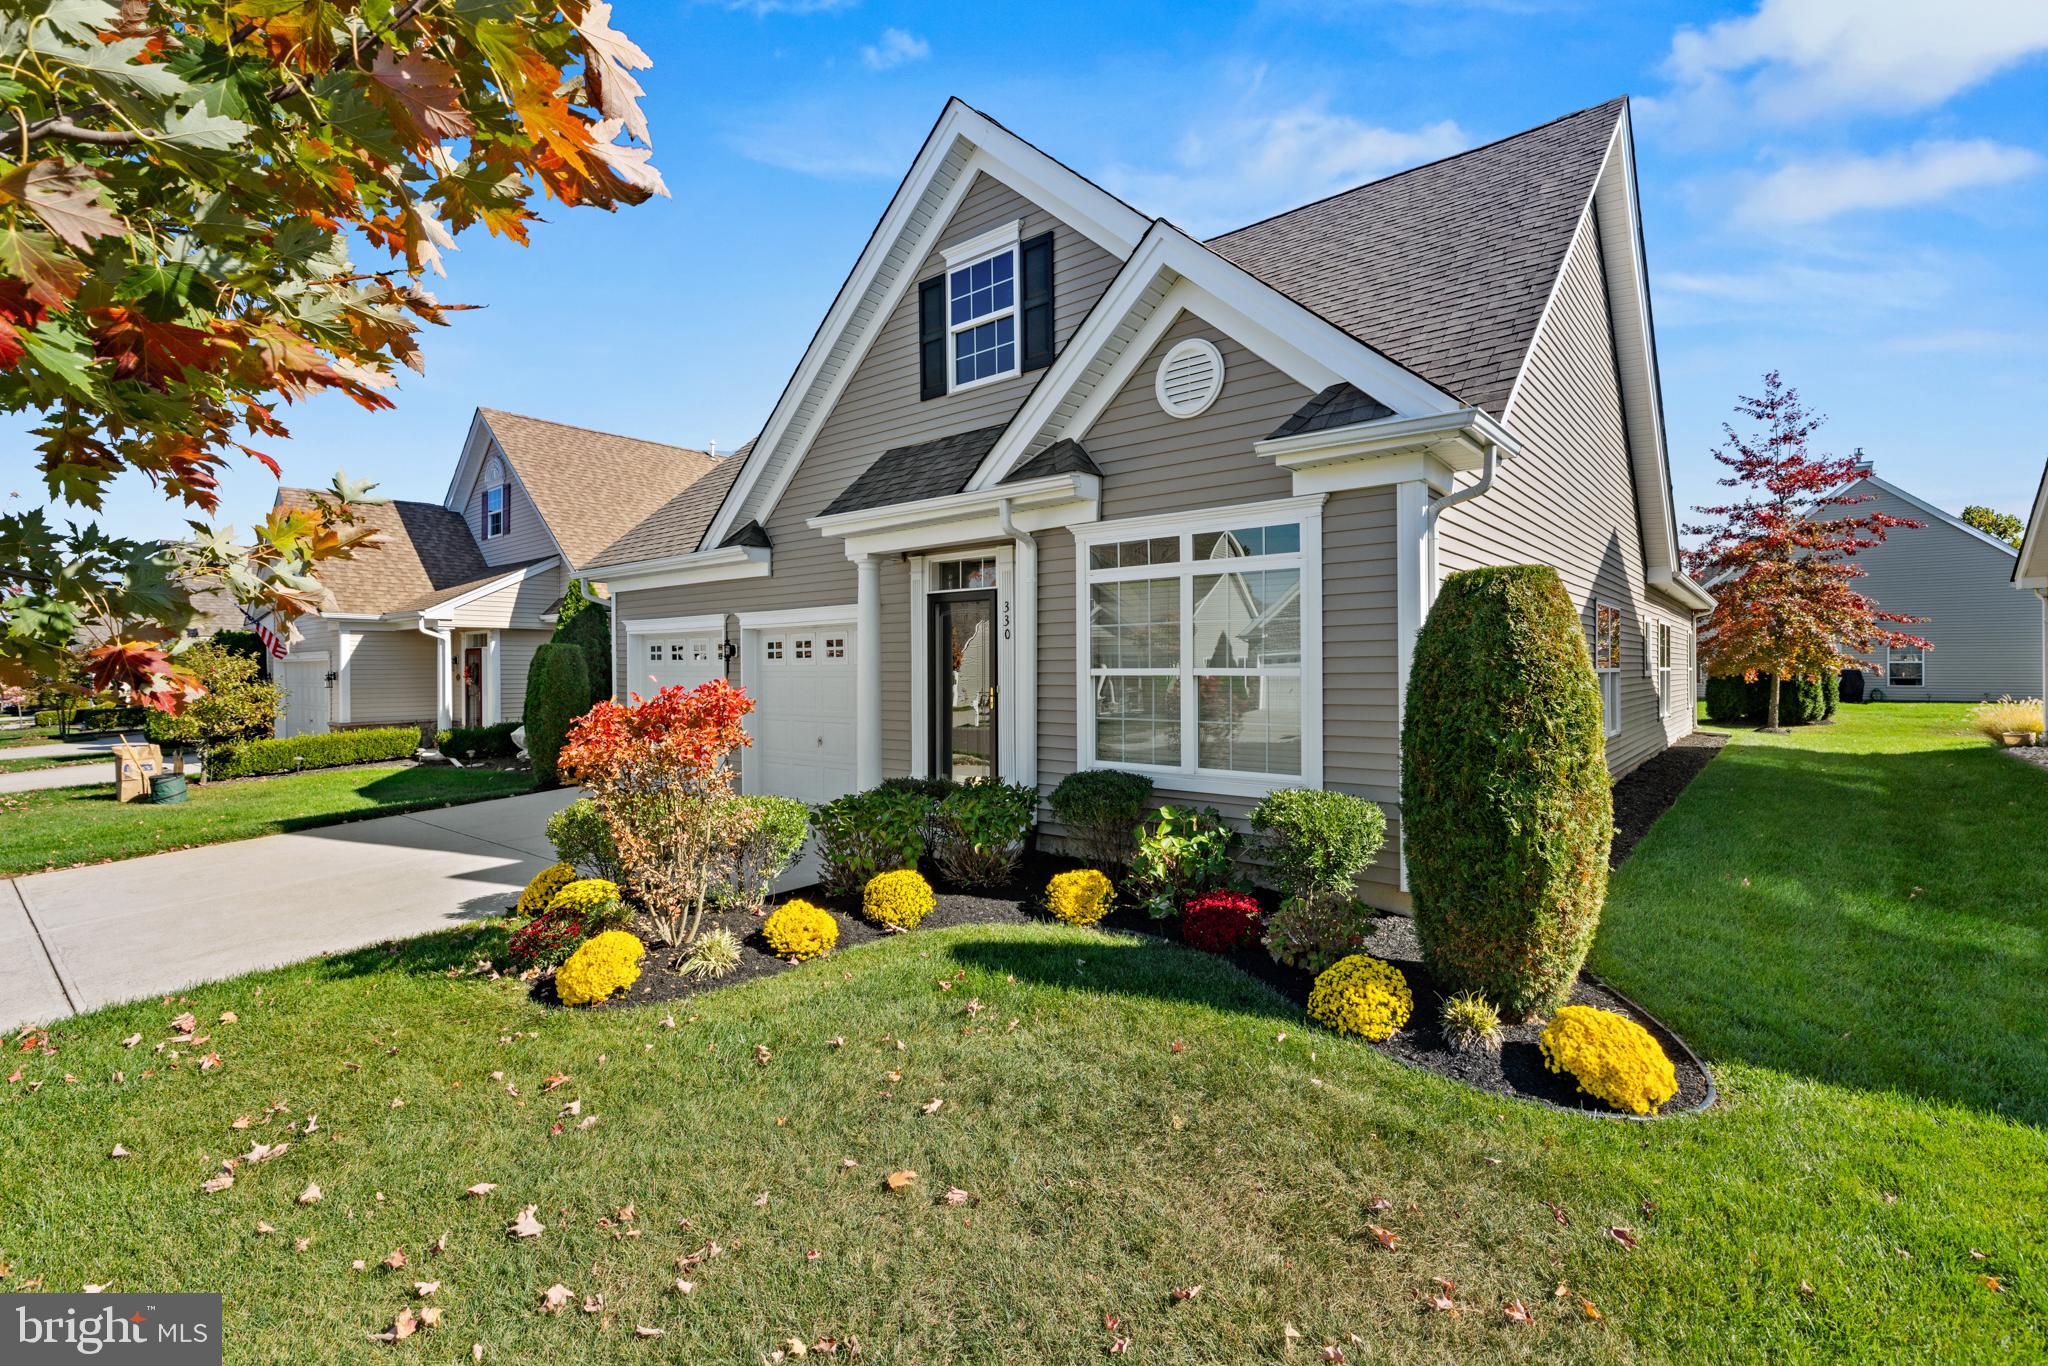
[1466, 495]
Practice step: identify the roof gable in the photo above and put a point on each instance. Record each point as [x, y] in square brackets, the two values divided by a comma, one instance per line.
[675, 527]
[427, 551]
[1448, 267]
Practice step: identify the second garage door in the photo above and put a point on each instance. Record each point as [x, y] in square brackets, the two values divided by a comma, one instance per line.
[803, 719]
[674, 659]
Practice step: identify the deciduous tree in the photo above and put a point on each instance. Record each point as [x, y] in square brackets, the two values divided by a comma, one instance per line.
[181, 188]
[2003, 525]
[1781, 562]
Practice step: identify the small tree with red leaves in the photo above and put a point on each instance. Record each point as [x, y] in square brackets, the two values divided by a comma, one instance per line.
[659, 773]
[1781, 563]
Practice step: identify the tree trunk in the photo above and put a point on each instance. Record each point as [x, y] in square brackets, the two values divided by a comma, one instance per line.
[1771, 705]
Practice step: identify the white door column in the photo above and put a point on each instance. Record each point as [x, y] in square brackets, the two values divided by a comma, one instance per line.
[867, 677]
[444, 681]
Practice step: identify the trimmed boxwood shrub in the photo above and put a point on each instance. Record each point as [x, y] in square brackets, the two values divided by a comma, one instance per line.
[470, 743]
[584, 841]
[864, 834]
[589, 629]
[1505, 797]
[1314, 843]
[557, 692]
[101, 718]
[1102, 809]
[253, 758]
[978, 830]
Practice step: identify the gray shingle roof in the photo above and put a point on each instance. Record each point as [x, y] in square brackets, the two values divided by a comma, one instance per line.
[427, 554]
[749, 532]
[588, 483]
[1064, 456]
[1445, 268]
[928, 469]
[677, 525]
[1340, 405]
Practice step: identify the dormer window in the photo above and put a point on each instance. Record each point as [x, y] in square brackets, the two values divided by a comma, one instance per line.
[989, 315]
[494, 519]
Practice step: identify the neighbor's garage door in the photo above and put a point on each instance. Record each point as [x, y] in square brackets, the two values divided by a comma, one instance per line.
[803, 720]
[676, 659]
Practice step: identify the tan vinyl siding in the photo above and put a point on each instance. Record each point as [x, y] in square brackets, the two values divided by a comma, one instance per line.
[518, 603]
[1153, 463]
[1986, 634]
[526, 537]
[879, 410]
[515, 658]
[1569, 501]
[391, 678]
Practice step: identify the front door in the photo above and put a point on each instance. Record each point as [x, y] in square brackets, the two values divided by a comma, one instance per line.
[963, 684]
[473, 686]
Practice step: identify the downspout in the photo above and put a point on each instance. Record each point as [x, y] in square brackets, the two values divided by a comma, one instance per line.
[1478, 490]
[1024, 595]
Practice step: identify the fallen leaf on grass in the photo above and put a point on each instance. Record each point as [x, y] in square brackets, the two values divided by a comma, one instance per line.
[394, 1260]
[1443, 1304]
[1586, 1308]
[265, 1226]
[310, 1195]
[553, 1081]
[956, 1196]
[438, 1246]
[301, 1244]
[1806, 1289]
[219, 1183]
[554, 1298]
[526, 1226]
[120, 1151]
[263, 1152]
[593, 1304]
[1994, 1285]
[241, 1122]
[184, 1023]
[131, 1041]
[1625, 1236]
[586, 1121]
[1557, 1212]
[931, 1107]
[1388, 1238]
[641, 1330]
[481, 1188]
[761, 1200]
[1517, 1312]
[430, 1316]
[229, 1017]
[897, 1181]
[403, 1327]
[574, 1107]
[425, 1288]
[1186, 1292]
[1332, 1352]
[684, 1287]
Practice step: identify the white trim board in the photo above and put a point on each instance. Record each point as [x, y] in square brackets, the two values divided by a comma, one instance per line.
[798, 616]
[962, 143]
[652, 626]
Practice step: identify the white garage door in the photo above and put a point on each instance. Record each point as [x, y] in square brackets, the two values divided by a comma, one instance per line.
[803, 720]
[675, 659]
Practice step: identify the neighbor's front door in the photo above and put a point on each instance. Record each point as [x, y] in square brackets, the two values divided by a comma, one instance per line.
[963, 684]
[473, 686]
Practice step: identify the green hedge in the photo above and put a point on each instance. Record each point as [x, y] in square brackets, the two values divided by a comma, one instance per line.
[1801, 701]
[1507, 807]
[333, 750]
[469, 743]
[590, 630]
[557, 692]
[99, 718]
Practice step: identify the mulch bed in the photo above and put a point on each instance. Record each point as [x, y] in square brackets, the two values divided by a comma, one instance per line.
[1649, 791]
[1517, 1070]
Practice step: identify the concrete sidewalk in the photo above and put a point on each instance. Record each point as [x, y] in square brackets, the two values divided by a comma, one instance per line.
[58, 749]
[83, 774]
[82, 938]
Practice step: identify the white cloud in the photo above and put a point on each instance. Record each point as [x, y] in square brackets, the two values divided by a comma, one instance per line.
[1800, 193]
[894, 48]
[1234, 169]
[1794, 59]
[826, 139]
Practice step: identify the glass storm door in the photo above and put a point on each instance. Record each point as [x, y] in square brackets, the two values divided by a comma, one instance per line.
[473, 686]
[963, 683]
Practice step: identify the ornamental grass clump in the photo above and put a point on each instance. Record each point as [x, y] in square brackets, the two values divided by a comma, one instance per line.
[1612, 1058]
[540, 893]
[602, 968]
[1470, 1023]
[1362, 995]
[1220, 922]
[1079, 897]
[2007, 717]
[797, 930]
[897, 900]
[714, 954]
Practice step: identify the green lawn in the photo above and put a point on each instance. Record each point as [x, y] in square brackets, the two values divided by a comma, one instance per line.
[29, 735]
[58, 761]
[1154, 1121]
[59, 827]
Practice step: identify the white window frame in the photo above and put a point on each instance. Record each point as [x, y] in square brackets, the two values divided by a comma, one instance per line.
[1921, 659]
[1189, 776]
[1609, 674]
[1002, 241]
[1664, 640]
[494, 528]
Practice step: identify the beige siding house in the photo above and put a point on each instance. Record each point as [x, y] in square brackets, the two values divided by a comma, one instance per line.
[1986, 637]
[437, 626]
[2030, 573]
[1057, 486]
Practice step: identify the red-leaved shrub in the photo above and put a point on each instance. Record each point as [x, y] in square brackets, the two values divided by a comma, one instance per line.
[1217, 922]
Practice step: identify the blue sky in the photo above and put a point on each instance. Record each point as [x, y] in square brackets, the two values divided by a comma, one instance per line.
[1853, 191]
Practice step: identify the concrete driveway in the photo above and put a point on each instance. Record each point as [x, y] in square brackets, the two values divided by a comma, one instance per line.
[82, 938]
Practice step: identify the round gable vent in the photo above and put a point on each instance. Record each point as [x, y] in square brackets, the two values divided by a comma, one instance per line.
[1190, 377]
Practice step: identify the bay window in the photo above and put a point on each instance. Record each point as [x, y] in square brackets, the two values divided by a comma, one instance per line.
[1200, 646]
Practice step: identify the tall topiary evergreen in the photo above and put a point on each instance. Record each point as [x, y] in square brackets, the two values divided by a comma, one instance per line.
[1505, 800]
[557, 692]
[588, 626]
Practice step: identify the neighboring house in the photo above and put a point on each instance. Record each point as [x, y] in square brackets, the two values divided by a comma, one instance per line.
[2030, 571]
[1184, 503]
[437, 626]
[1986, 638]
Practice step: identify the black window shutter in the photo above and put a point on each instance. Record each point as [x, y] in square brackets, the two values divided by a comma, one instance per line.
[1035, 268]
[505, 517]
[931, 337]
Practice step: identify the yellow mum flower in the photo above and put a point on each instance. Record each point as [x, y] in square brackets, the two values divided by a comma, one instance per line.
[1611, 1057]
[602, 967]
[1362, 995]
[800, 930]
[897, 900]
[1080, 897]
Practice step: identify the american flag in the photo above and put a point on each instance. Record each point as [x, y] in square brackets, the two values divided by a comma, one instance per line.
[272, 641]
